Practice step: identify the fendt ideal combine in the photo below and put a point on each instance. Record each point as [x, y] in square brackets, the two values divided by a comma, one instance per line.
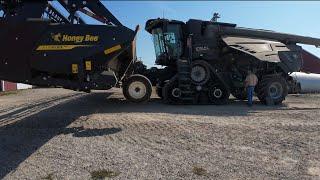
[42, 46]
[205, 61]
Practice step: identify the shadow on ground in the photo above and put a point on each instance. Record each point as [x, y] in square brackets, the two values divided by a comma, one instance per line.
[81, 132]
[30, 127]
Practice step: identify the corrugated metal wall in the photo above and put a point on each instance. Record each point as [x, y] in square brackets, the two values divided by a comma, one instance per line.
[9, 86]
[311, 63]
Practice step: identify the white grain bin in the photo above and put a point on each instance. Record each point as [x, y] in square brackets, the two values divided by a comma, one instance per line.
[23, 86]
[309, 82]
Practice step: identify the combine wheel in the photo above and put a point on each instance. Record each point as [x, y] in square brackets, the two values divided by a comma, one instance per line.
[275, 88]
[200, 72]
[218, 94]
[137, 88]
[171, 92]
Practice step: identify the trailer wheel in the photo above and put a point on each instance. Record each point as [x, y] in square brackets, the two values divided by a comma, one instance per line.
[137, 88]
[272, 89]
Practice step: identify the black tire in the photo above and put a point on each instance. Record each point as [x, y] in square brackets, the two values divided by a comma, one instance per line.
[216, 98]
[273, 89]
[167, 89]
[142, 85]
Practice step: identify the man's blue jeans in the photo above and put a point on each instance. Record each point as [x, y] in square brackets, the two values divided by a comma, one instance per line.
[250, 90]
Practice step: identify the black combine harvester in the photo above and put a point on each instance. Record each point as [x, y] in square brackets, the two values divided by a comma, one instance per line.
[205, 61]
[40, 46]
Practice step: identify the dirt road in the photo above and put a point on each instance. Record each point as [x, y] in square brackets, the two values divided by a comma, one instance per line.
[61, 134]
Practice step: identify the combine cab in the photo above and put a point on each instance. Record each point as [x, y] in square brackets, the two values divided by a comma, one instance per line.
[207, 60]
[43, 47]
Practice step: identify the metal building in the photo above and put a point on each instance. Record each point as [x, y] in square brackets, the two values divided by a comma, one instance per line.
[9, 86]
[311, 63]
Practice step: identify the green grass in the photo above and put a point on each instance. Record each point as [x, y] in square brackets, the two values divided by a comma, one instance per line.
[7, 93]
[199, 171]
[49, 177]
[103, 174]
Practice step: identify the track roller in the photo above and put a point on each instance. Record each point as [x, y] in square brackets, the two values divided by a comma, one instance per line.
[171, 92]
[218, 94]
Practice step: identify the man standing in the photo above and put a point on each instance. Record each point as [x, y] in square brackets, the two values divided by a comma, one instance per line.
[250, 82]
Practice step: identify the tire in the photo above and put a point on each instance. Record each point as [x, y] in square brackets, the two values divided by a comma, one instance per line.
[272, 90]
[167, 89]
[137, 88]
[218, 94]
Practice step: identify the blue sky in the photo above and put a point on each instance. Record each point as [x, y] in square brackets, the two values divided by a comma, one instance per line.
[300, 18]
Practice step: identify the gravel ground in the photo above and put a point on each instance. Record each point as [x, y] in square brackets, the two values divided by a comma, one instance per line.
[61, 134]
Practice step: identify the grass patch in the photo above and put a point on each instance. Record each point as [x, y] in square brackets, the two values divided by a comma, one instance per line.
[199, 171]
[6, 93]
[103, 174]
[48, 177]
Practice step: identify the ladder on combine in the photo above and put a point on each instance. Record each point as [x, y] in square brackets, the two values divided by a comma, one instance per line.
[184, 76]
[184, 81]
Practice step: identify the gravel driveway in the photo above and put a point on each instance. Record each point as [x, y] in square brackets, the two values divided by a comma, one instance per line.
[61, 134]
